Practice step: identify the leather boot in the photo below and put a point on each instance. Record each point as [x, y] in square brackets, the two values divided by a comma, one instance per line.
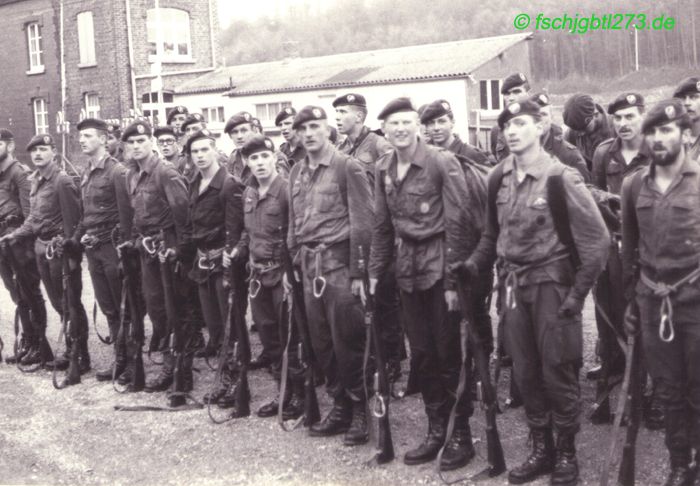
[270, 408]
[539, 462]
[459, 449]
[677, 432]
[358, 433]
[336, 422]
[295, 407]
[25, 345]
[32, 355]
[429, 448]
[566, 466]
[60, 362]
[228, 399]
[165, 378]
[83, 355]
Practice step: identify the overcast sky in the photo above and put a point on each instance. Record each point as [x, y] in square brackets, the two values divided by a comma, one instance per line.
[252, 9]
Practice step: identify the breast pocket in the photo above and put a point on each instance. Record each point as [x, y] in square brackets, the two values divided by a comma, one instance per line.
[273, 217]
[645, 211]
[421, 199]
[328, 198]
[101, 192]
[685, 220]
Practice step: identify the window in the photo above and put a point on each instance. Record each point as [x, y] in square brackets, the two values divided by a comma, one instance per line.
[213, 115]
[490, 91]
[92, 105]
[41, 116]
[169, 34]
[36, 54]
[267, 112]
[86, 39]
[153, 97]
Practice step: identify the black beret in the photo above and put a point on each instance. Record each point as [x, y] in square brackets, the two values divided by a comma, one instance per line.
[309, 113]
[687, 86]
[139, 127]
[396, 106]
[513, 81]
[578, 111]
[284, 114]
[6, 135]
[526, 107]
[164, 130]
[198, 135]
[40, 140]
[257, 143]
[178, 110]
[191, 119]
[92, 123]
[350, 99]
[664, 112]
[114, 129]
[434, 110]
[626, 100]
[541, 99]
[238, 119]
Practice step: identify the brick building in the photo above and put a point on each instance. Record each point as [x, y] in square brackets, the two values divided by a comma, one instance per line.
[110, 50]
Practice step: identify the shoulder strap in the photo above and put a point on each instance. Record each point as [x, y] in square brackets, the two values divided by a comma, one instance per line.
[560, 215]
[494, 184]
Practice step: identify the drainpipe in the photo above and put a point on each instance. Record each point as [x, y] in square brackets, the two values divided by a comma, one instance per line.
[63, 81]
[129, 41]
[211, 35]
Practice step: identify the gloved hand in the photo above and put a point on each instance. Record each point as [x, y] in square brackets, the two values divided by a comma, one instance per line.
[631, 321]
[572, 306]
[465, 269]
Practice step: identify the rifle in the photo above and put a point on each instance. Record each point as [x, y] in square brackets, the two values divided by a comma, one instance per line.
[306, 354]
[485, 390]
[68, 317]
[9, 257]
[382, 389]
[241, 350]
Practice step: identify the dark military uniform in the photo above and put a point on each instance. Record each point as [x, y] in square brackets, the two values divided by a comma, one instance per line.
[293, 154]
[554, 144]
[238, 168]
[499, 147]
[22, 281]
[586, 142]
[470, 152]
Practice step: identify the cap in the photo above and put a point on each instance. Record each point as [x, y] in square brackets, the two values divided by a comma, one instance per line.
[687, 86]
[95, 123]
[198, 135]
[666, 111]
[435, 110]
[139, 127]
[40, 140]
[284, 114]
[513, 81]
[257, 143]
[513, 110]
[626, 100]
[578, 111]
[395, 106]
[309, 113]
[238, 119]
[178, 110]
[350, 99]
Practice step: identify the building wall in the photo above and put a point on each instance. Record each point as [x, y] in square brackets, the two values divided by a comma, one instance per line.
[18, 87]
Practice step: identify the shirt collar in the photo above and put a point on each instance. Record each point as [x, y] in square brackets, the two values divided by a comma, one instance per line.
[536, 170]
[50, 172]
[99, 163]
[150, 164]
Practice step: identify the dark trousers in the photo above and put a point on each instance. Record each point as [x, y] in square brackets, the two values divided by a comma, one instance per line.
[546, 351]
[23, 285]
[103, 265]
[434, 339]
[388, 310]
[213, 299]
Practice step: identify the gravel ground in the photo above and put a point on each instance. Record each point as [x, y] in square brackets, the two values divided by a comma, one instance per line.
[74, 436]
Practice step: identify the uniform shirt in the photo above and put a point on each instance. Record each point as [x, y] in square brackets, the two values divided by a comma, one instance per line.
[14, 189]
[586, 142]
[662, 228]
[367, 148]
[693, 149]
[499, 147]
[102, 186]
[293, 155]
[610, 168]
[54, 205]
[522, 232]
[472, 153]
[239, 169]
[330, 204]
[159, 199]
[428, 212]
[554, 144]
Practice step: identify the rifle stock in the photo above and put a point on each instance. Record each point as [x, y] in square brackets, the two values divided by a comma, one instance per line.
[626, 475]
[133, 329]
[241, 349]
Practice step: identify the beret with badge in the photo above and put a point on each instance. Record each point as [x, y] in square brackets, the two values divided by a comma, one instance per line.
[396, 106]
[6, 135]
[95, 123]
[164, 130]
[309, 113]
[434, 110]
[284, 114]
[203, 134]
[626, 100]
[238, 119]
[257, 143]
[40, 140]
[687, 86]
[666, 111]
[513, 110]
[352, 99]
[513, 81]
[178, 110]
[114, 129]
[191, 119]
[139, 127]
[579, 110]
[542, 99]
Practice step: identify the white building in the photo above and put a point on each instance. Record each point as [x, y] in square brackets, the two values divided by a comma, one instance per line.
[467, 73]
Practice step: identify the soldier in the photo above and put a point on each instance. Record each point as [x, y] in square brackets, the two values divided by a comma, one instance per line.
[440, 122]
[192, 124]
[515, 88]
[216, 210]
[292, 148]
[660, 241]
[114, 143]
[159, 199]
[588, 125]
[553, 139]
[176, 118]
[166, 139]
[330, 218]
[689, 92]
[543, 290]
[103, 191]
[266, 206]
[53, 216]
[19, 273]
[424, 134]
[419, 191]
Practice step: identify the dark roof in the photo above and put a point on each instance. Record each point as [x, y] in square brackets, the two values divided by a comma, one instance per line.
[425, 62]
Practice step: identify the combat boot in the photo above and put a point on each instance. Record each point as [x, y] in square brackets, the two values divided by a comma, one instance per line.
[358, 433]
[165, 378]
[459, 449]
[270, 408]
[566, 466]
[83, 356]
[430, 447]
[228, 376]
[539, 462]
[336, 422]
[677, 425]
[32, 354]
[25, 346]
[295, 407]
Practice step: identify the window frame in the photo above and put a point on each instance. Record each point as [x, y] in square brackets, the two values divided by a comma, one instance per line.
[86, 39]
[90, 111]
[490, 95]
[271, 111]
[173, 32]
[35, 48]
[39, 128]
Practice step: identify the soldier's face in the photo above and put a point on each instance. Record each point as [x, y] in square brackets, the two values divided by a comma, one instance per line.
[193, 127]
[519, 93]
[692, 105]
[521, 133]
[546, 118]
[5, 149]
[262, 164]
[425, 133]
[178, 120]
[440, 129]
[140, 147]
[627, 123]
[112, 144]
[314, 135]
[286, 128]
[91, 140]
[240, 134]
[346, 118]
[168, 145]
[666, 142]
[42, 155]
[401, 129]
[203, 153]
[592, 124]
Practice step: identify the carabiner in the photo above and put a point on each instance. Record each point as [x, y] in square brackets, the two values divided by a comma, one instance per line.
[666, 331]
[50, 251]
[319, 293]
[255, 287]
[203, 266]
[147, 243]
